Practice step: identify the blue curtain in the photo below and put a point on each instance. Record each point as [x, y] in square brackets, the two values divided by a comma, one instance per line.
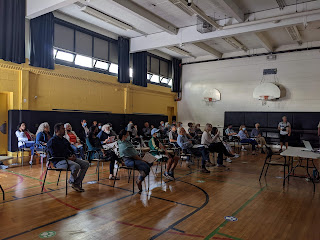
[12, 30]
[42, 33]
[177, 69]
[140, 69]
[123, 60]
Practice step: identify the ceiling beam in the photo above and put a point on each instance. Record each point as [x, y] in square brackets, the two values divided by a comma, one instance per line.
[265, 43]
[232, 9]
[190, 34]
[149, 16]
[208, 49]
[36, 8]
[294, 34]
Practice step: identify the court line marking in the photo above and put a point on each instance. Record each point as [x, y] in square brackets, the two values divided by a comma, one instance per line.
[24, 175]
[228, 236]
[216, 231]
[21, 179]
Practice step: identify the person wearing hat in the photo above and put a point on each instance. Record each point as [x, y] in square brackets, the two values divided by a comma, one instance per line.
[156, 147]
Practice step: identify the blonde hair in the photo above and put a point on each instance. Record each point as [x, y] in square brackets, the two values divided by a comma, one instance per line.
[104, 127]
[206, 128]
[42, 126]
[66, 125]
[241, 127]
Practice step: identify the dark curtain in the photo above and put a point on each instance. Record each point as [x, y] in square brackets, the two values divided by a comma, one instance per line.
[42, 33]
[12, 30]
[177, 69]
[140, 69]
[123, 59]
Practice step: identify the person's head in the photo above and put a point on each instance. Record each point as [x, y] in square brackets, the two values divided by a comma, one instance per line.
[146, 124]
[123, 135]
[208, 127]
[22, 126]
[190, 124]
[284, 119]
[135, 126]
[257, 125]
[173, 128]
[152, 127]
[99, 126]
[214, 130]
[155, 132]
[44, 127]
[242, 127]
[179, 124]
[162, 123]
[110, 125]
[93, 131]
[59, 129]
[83, 122]
[130, 122]
[106, 128]
[197, 125]
[94, 123]
[167, 124]
[181, 131]
[229, 126]
[68, 127]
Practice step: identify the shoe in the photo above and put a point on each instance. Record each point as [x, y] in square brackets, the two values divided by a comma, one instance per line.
[229, 160]
[204, 170]
[77, 188]
[171, 174]
[30, 163]
[220, 165]
[166, 175]
[236, 156]
[243, 149]
[139, 184]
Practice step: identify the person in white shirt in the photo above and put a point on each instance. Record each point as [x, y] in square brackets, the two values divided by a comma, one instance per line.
[285, 131]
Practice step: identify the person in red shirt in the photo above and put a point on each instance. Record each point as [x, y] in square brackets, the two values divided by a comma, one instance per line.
[72, 137]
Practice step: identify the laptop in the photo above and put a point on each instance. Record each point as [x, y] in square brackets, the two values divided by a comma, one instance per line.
[308, 146]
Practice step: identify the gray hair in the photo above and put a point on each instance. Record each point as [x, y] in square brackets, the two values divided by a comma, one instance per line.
[208, 125]
[104, 127]
[42, 126]
[180, 129]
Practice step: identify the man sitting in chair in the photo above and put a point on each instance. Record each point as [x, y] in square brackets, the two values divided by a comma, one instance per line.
[59, 147]
[156, 148]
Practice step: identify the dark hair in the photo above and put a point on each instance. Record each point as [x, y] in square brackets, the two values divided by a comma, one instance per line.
[57, 127]
[21, 124]
[83, 120]
[190, 124]
[91, 131]
[214, 130]
[229, 125]
[122, 133]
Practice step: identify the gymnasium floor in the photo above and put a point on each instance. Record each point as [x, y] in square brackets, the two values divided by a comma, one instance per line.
[192, 207]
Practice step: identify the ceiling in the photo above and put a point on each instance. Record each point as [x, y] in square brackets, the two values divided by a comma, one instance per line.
[148, 34]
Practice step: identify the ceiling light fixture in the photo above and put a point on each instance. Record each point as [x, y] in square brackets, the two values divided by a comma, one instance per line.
[235, 43]
[180, 51]
[184, 8]
[294, 34]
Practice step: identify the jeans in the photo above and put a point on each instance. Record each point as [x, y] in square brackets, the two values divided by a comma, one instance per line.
[201, 151]
[250, 141]
[141, 166]
[29, 144]
[78, 169]
[221, 150]
[78, 150]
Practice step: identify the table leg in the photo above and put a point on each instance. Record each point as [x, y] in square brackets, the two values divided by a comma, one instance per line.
[310, 177]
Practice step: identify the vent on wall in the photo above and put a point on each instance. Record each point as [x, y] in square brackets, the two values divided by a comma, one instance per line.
[203, 26]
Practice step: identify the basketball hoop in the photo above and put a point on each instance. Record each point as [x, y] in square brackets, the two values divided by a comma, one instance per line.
[264, 99]
[209, 101]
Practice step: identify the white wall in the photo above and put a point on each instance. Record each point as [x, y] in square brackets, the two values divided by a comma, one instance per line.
[236, 79]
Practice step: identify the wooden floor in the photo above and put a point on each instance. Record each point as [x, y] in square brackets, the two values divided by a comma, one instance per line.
[192, 207]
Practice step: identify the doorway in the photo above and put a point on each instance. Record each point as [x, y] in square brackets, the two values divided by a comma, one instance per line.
[4, 119]
[170, 113]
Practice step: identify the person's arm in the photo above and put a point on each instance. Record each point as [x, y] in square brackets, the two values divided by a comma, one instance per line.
[279, 127]
[252, 134]
[78, 139]
[289, 129]
[216, 137]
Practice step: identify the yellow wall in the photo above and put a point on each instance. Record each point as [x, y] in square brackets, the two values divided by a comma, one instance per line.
[75, 89]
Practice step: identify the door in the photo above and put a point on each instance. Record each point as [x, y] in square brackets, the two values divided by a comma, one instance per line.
[3, 119]
[170, 113]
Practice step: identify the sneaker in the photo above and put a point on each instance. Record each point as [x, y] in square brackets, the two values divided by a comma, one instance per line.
[229, 160]
[220, 165]
[243, 149]
[77, 188]
[204, 170]
[171, 174]
[166, 175]
[236, 156]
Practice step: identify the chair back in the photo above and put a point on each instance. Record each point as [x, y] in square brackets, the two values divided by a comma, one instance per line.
[269, 152]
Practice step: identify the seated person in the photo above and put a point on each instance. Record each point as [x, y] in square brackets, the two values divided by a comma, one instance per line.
[43, 134]
[105, 135]
[146, 131]
[111, 130]
[59, 147]
[135, 131]
[102, 154]
[230, 132]
[227, 145]
[156, 148]
[129, 128]
[72, 137]
[257, 134]
[244, 138]
[214, 145]
[94, 123]
[84, 131]
[191, 130]
[187, 146]
[25, 138]
[131, 157]
[99, 126]
[197, 129]
[173, 136]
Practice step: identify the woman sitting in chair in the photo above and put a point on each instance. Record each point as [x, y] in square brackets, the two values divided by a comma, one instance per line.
[25, 138]
[94, 144]
[75, 143]
[156, 148]
[43, 134]
[244, 138]
[132, 158]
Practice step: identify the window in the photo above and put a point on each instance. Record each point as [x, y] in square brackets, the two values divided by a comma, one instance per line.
[65, 56]
[159, 70]
[79, 47]
[83, 61]
[155, 78]
[131, 72]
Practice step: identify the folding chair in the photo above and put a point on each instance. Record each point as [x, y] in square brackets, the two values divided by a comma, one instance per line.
[49, 168]
[42, 151]
[268, 161]
[2, 192]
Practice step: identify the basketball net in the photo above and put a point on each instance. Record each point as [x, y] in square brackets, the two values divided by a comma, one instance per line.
[209, 101]
[264, 100]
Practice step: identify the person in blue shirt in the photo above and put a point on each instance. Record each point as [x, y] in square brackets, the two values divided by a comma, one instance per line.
[187, 146]
[131, 157]
[43, 134]
[257, 134]
[244, 138]
[60, 148]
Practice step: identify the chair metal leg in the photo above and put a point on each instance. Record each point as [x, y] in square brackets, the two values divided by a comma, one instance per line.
[22, 153]
[2, 192]
[262, 170]
[44, 180]
[129, 173]
[265, 174]
[133, 180]
[98, 167]
[67, 182]
[58, 178]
